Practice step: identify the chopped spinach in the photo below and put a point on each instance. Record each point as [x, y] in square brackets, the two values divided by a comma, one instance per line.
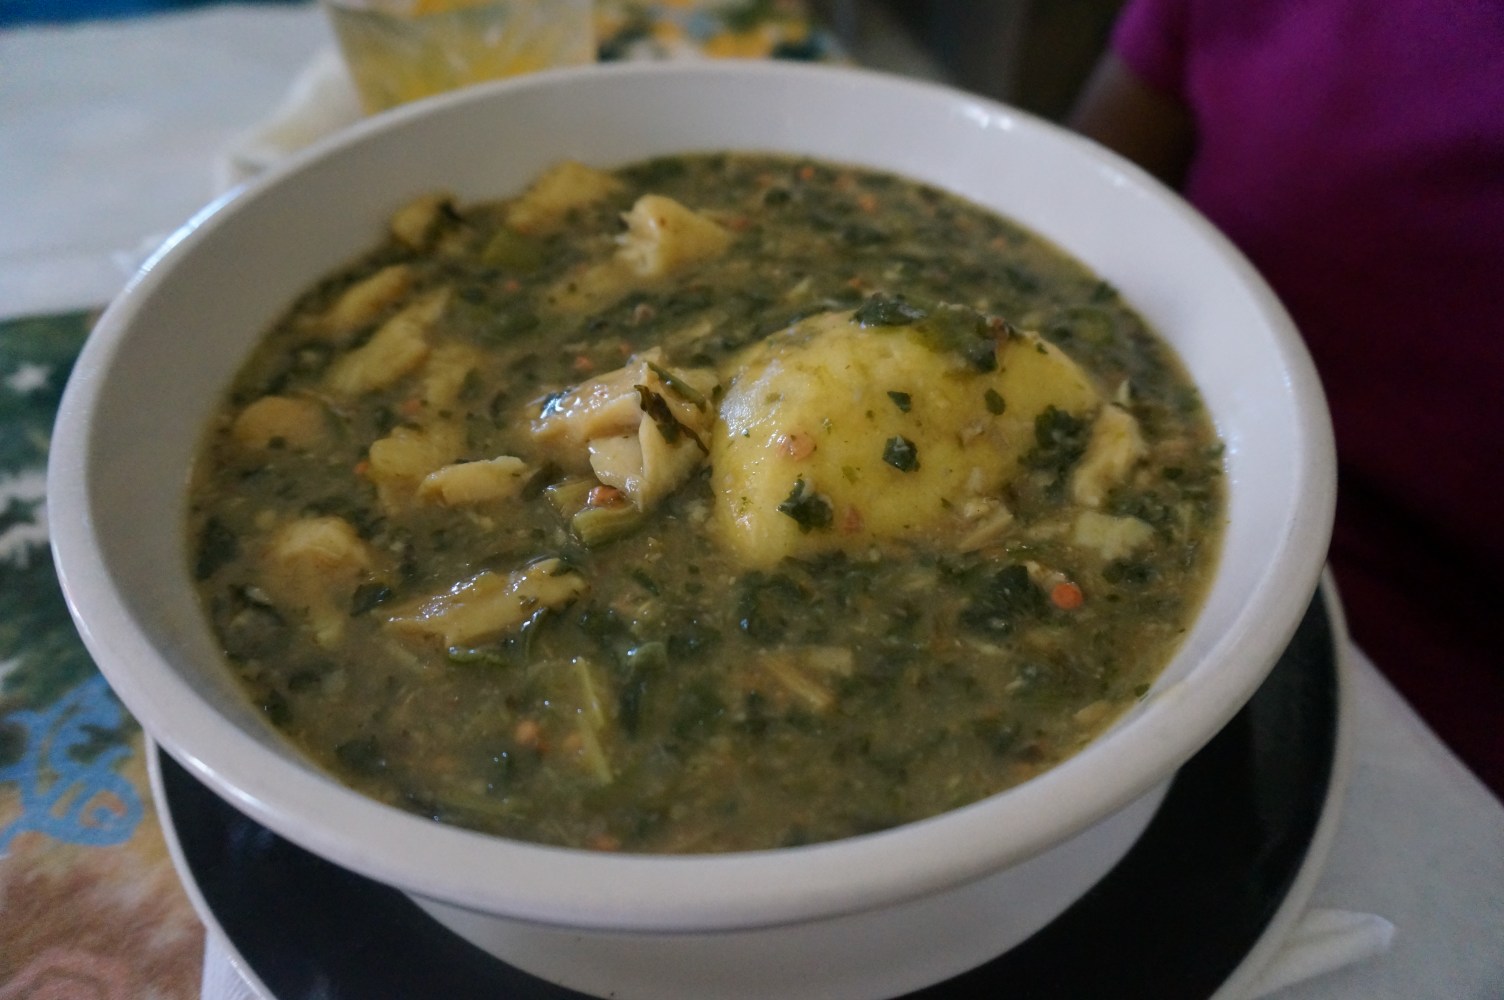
[960, 331]
[1003, 600]
[363, 755]
[886, 310]
[218, 546]
[901, 453]
[1060, 439]
[768, 606]
[369, 596]
[810, 510]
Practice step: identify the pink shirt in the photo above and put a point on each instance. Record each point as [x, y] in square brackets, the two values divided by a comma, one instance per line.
[1355, 152]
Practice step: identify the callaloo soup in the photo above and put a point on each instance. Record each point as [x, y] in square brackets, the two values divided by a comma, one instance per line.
[714, 503]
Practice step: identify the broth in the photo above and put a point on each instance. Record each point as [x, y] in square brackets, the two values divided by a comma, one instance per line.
[718, 502]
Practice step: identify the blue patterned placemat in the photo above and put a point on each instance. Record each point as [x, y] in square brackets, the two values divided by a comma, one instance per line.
[92, 905]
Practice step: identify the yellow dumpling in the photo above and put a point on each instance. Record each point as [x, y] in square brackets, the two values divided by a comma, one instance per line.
[838, 436]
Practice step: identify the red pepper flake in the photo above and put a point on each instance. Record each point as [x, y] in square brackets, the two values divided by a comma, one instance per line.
[410, 407]
[852, 522]
[529, 734]
[511, 285]
[362, 467]
[605, 496]
[582, 364]
[796, 445]
[1067, 596]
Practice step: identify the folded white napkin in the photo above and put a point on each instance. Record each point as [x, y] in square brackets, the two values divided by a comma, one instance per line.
[1323, 941]
[320, 102]
[222, 979]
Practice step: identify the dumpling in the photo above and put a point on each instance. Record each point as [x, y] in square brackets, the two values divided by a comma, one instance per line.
[839, 433]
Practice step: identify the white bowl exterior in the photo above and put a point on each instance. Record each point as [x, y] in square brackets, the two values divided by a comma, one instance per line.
[882, 952]
[163, 354]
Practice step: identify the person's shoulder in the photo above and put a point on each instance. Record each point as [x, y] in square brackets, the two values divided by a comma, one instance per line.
[1150, 39]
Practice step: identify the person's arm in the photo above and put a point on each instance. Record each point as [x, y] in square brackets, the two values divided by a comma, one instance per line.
[1126, 115]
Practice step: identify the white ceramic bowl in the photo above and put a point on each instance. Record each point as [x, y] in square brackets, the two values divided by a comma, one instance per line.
[865, 917]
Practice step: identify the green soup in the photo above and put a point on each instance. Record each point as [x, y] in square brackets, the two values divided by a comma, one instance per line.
[715, 503]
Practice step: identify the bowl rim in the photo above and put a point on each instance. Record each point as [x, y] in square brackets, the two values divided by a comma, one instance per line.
[564, 886]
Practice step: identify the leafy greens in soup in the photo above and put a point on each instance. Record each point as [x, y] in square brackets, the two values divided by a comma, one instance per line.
[718, 502]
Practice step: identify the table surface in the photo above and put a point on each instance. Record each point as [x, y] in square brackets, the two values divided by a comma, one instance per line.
[109, 136]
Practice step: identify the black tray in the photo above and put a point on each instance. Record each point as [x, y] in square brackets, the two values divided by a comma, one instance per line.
[1172, 921]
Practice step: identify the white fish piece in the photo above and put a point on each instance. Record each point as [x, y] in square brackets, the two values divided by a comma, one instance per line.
[488, 606]
[605, 424]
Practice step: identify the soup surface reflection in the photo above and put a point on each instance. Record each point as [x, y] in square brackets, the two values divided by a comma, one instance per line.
[714, 503]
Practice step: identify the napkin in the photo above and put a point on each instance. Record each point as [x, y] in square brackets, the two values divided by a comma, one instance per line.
[223, 979]
[320, 102]
[1321, 942]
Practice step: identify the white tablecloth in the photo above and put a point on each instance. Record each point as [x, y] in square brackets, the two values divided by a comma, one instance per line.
[109, 137]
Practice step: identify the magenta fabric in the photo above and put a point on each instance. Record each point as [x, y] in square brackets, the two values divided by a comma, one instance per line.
[1355, 152]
